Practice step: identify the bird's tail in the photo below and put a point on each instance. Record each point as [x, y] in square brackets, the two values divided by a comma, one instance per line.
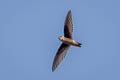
[78, 44]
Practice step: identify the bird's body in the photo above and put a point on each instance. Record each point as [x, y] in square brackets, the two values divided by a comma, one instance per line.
[67, 41]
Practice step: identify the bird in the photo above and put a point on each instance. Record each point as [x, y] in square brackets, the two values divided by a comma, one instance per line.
[67, 41]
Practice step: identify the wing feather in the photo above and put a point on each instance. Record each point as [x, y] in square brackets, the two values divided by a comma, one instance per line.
[68, 26]
[61, 53]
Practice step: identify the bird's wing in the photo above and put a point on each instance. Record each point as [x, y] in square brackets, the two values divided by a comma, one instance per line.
[68, 26]
[60, 55]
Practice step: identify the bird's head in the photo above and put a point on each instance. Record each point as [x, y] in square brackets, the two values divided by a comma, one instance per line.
[61, 38]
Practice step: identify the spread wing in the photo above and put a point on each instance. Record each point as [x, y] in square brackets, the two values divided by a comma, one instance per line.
[68, 26]
[60, 55]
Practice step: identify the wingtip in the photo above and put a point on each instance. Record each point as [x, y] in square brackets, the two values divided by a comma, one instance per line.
[69, 11]
[53, 69]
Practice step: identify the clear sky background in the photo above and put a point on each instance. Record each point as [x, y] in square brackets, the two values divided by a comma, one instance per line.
[29, 31]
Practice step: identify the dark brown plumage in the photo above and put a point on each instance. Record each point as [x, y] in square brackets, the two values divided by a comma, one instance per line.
[67, 41]
[68, 26]
[61, 53]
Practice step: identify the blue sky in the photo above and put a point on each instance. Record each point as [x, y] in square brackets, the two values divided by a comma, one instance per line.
[29, 31]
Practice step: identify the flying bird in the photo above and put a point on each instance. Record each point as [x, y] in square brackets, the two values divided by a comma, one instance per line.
[67, 41]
